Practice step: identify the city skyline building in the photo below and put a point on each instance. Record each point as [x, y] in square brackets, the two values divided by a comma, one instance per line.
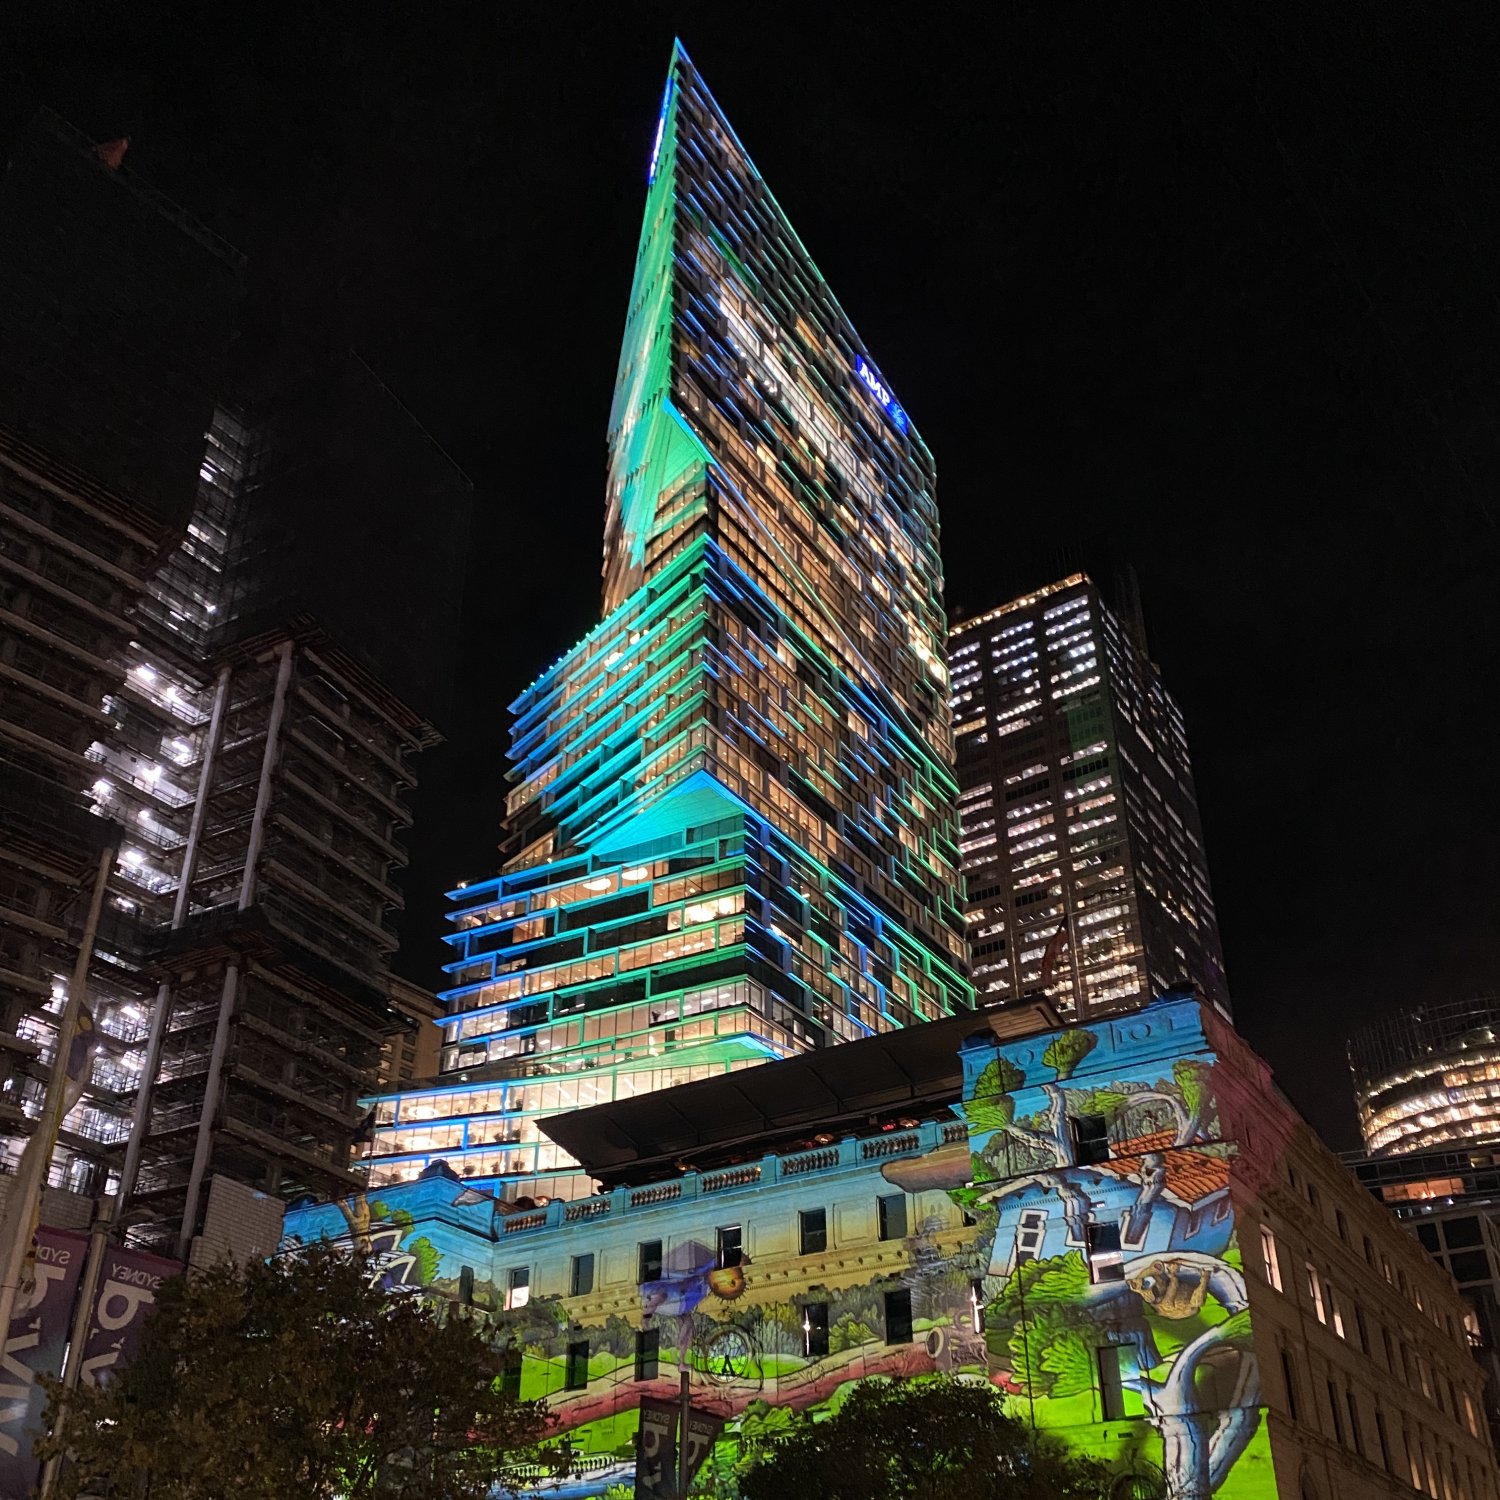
[1081, 841]
[731, 834]
[116, 313]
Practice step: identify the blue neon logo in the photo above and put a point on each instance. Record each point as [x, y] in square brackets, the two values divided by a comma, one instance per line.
[877, 388]
[661, 126]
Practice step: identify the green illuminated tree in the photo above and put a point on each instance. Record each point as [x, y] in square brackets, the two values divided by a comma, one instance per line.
[299, 1377]
[921, 1440]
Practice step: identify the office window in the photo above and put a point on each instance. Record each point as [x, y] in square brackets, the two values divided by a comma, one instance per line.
[898, 1317]
[1470, 1265]
[1335, 1308]
[1361, 1330]
[727, 1245]
[1428, 1235]
[576, 1376]
[1269, 1257]
[1356, 1437]
[1090, 1138]
[518, 1286]
[1333, 1407]
[1384, 1439]
[1315, 1292]
[1460, 1234]
[1103, 1245]
[1289, 1380]
[1117, 1401]
[812, 1231]
[647, 1353]
[648, 1261]
[893, 1216]
[815, 1329]
[581, 1275]
[1341, 1224]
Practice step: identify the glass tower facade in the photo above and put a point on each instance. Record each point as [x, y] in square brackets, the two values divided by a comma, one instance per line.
[733, 831]
[1082, 846]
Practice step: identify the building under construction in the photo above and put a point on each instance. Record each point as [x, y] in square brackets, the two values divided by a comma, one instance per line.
[262, 666]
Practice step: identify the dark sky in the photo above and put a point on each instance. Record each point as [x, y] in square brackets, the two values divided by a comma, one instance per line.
[1214, 285]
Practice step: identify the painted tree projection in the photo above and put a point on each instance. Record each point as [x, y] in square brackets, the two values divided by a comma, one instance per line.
[1093, 1276]
[1113, 1242]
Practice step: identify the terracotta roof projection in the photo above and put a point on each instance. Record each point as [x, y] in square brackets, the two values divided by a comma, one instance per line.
[1191, 1175]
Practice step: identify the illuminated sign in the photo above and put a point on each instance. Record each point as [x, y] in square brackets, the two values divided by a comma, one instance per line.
[877, 388]
[661, 126]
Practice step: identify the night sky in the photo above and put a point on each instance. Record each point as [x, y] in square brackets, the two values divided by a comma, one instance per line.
[1211, 286]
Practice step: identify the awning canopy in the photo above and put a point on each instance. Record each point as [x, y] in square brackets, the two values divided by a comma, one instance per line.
[749, 1111]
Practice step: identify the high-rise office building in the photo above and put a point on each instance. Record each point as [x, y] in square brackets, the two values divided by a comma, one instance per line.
[1081, 842]
[116, 311]
[732, 833]
[226, 625]
[261, 759]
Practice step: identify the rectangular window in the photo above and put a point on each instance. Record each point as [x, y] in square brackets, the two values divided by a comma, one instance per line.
[1385, 1441]
[1356, 1438]
[576, 1377]
[1341, 1224]
[893, 1216]
[815, 1329]
[1090, 1139]
[648, 1261]
[1031, 1233]
[1335, 1310]
[518, 1286]
[898, 1317]
[647, 1353]
[727, 1246]
[1333, 1407]
[581, 1276]
[812, 1231]
[1315, 1292]
[1117, 1401]
[1361, 1330]
[1289, 1380]
[510, 1374]
[1103, 1245]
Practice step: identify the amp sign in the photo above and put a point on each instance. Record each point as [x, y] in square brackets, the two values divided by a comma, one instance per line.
[877, 388]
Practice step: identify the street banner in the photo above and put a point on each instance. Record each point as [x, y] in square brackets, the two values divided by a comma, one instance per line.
[34, 1347]
[656, 1455]
[128, 1284]
[703, 1429]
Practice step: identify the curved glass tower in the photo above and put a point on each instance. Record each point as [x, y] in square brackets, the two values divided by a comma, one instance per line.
[732, 833]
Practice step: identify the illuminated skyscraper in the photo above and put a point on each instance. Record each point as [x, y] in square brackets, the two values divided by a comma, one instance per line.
[732, 834]
[1081, 842]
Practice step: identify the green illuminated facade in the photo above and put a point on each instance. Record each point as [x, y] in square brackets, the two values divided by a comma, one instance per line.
[733, 818]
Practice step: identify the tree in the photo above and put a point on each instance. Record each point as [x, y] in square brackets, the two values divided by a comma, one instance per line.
[299, 1377]
[921, 1440]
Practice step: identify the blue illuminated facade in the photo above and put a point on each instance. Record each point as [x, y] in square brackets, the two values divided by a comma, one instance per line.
[732, 828]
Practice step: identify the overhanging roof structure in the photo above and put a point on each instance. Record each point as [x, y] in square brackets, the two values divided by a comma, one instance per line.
[915, 1068]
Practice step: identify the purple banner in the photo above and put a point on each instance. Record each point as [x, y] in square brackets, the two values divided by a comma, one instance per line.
[128, 1284]
[34, 1346]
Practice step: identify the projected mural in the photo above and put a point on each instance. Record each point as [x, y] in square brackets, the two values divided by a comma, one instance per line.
[1068, 1237]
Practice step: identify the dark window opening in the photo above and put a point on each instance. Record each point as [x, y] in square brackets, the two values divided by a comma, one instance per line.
[581, 1276]
[647, 1353]
[893, 1216]
[648, 1261]
[812, 1230]
[898, 1317]
[576, 1377]
[1090, 1139]
[1103, 1245]
[729, 1246]
[815, 1329]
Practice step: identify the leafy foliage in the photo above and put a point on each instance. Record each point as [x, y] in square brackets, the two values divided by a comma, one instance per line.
[991, 1107]
[1191, 1076]
[920, 1440]
[299, 1378]
[1068, 1049]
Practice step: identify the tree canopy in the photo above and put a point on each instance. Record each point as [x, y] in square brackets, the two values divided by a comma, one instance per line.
[921, 1440]
[299, 1377]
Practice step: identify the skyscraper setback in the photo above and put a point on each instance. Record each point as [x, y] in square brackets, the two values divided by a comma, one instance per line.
[732, 833]
[1081, 841]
